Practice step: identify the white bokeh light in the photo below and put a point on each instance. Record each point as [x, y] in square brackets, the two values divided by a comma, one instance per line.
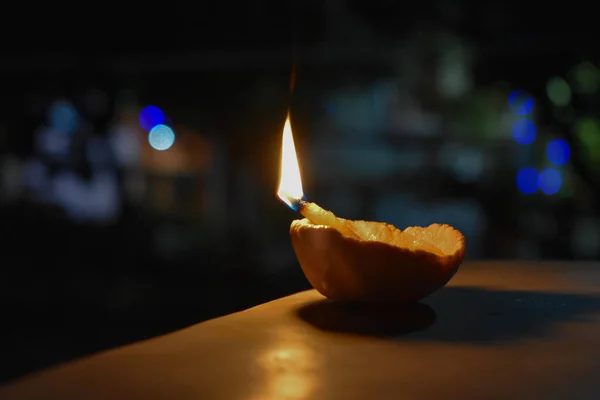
[161, 137]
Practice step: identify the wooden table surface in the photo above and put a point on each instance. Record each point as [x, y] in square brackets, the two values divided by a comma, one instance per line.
[499, 330]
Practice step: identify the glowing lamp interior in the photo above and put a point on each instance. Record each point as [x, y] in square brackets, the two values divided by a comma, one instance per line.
[290, 182]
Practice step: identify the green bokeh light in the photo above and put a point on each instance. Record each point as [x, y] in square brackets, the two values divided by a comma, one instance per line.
[588, 132]
[558, 91]
[586, 77]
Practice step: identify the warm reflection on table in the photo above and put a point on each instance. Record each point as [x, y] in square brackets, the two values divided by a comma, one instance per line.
[499, 331]
[288, 367]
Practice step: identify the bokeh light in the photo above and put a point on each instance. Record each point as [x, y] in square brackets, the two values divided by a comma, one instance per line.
[63, 116]
[523, 131]
[550, 181]
[558, 152]
[161, 137]
[586, 77]
[558, 91]
[587, 130]
[520, 102]
[527, 180]
[150, 117]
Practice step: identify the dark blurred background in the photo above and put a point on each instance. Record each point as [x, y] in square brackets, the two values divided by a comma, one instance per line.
[139, 149]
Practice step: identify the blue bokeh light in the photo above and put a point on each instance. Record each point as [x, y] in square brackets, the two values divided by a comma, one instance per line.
[527, 180]
[151, 116]
[523, 131]
[550, 181]
[520, 102]
[161, 137]
[558, 152]
[63, 116]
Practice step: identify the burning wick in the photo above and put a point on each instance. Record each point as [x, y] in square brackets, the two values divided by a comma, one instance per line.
[290, 187]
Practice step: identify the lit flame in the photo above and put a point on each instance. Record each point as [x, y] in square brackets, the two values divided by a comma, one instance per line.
[290, 182]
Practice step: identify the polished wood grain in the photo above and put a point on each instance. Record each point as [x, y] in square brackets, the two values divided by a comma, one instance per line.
[499, 330]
